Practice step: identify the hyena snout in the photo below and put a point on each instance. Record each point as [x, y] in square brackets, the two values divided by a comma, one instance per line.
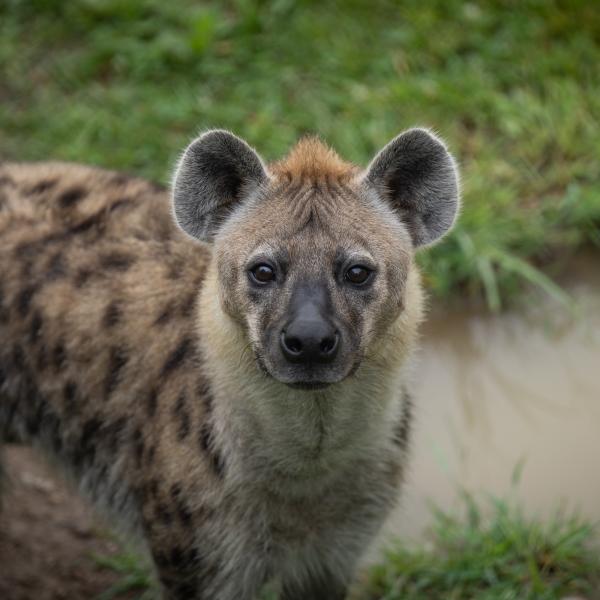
[310, 337]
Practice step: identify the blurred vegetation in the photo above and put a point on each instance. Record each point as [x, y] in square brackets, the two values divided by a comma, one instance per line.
[136, 579]
[498, 556]
[511, 84]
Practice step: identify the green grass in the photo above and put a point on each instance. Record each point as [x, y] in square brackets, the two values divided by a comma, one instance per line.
[492, 553]
[511, 84]
[135, 577]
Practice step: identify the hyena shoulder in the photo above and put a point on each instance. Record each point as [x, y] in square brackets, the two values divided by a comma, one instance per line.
[98, 290]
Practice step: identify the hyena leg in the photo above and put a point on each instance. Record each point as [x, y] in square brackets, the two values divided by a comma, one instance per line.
[319, 587]
[187, 575]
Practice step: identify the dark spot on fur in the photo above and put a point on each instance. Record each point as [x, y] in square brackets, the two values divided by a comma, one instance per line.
[120, 203]
[72, 196]
[116, 362]
[112, 315]
[184, 514]
[85, 451]
[116, 261]
[138, 446]
[184, 590]
[177, 357]
[175, 269]
[207, 446]
[56, 268]
[52, 426]
[35, 329]
[203, 390]
[161, 560]
[187, 306]
[182, 416]
[18, 357]
[166, 315]
[82, 277]
[27, 250]
[36, 416]
[24, 299]
[59, 356]
[90, 428]
[42, 186]
[95, 220]
[163, 514]
[69, 395]
[150, 455]
[114, 433]
[152, 402]
[176, 557]
[153, 488]
[42, 357]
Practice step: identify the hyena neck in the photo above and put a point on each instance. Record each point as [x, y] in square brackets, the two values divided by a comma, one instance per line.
[267, 427]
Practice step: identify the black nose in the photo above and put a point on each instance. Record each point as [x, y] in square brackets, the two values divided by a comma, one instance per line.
[309, 342]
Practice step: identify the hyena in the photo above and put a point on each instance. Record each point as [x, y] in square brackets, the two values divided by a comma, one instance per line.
[224, 374]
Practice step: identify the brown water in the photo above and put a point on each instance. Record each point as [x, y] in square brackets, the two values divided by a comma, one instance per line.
[494, 391]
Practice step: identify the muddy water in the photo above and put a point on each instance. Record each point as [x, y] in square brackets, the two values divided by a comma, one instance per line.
[495, 391]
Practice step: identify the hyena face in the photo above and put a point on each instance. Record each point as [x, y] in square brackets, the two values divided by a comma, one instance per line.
[313, 253]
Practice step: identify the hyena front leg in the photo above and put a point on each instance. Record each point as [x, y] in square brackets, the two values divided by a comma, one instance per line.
[203, 572]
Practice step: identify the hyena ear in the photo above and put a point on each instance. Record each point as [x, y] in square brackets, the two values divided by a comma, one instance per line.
[418, 178]
[216, 172]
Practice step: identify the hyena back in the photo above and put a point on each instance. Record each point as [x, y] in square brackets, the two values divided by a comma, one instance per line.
[228, 384]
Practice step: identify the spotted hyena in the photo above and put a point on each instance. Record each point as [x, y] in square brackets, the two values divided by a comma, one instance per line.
[224, 373]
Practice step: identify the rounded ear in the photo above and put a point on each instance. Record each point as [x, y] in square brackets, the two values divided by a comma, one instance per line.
[416, 175]
[216, 173]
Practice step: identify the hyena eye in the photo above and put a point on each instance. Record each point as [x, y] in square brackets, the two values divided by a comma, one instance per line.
[262, 273]
[357, 274]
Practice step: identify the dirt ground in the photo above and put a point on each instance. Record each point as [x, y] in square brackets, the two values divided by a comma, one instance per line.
[48, 536]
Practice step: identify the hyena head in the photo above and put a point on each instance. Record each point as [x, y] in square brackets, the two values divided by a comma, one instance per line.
[313, 253]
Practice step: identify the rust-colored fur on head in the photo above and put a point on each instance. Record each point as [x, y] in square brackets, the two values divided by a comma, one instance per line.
[310, 158]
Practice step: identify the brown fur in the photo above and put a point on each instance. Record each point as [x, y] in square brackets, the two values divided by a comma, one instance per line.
[98, 288]
[311, 159]
[125, 354]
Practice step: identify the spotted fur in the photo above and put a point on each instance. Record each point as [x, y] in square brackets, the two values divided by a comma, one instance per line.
[129, 352]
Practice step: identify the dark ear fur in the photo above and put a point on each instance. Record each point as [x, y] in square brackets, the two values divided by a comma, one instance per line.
[216, 172]
[418, 178]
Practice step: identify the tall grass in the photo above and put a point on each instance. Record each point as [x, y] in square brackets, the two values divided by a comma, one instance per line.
[512, 85]
[492, 552]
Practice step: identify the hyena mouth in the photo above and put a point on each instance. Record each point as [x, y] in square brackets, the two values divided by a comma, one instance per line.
[309, 385]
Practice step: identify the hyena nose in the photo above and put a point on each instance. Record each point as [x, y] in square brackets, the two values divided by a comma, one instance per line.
[309, 342]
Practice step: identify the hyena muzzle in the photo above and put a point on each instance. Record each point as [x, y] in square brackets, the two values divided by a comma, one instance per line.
[228, 384]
